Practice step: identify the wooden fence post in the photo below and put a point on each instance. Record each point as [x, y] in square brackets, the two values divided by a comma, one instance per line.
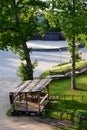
[82, 97]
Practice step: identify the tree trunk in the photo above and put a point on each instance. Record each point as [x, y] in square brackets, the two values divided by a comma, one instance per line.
[28, 61]
[25, 49]
[73, 77]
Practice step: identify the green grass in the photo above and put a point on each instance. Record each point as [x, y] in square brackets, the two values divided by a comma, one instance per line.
[67, 107]
[72, 128]
[44, 74]
[61, 87]
[9, 112]
[81, 63]
[62, 67]
[67, 66]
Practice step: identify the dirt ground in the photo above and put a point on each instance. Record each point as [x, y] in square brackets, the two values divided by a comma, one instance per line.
[15, 123]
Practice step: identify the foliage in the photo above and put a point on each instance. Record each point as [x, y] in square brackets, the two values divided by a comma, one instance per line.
[53, 20]
[77, 54]
[9, 113]
[72, 17]
[23, 71]
[18, 23]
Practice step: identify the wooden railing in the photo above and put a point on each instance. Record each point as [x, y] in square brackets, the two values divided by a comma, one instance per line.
[69, 97]
[42, 101]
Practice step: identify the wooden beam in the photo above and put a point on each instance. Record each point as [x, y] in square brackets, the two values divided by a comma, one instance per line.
[11, 98]
[26, 101]
[12, 101]
[39, 101]
[47, 90]
[44, 99]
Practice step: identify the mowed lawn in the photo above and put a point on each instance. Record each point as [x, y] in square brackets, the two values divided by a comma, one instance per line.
[61, 87]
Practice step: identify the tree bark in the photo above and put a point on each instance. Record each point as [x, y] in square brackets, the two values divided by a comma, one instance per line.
[25, 49]
[73, 76]
[28, 61]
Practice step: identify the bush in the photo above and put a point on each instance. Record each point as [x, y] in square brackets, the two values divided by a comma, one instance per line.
[24, 73]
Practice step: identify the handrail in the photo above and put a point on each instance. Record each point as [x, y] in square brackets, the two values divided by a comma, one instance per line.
[43, 99]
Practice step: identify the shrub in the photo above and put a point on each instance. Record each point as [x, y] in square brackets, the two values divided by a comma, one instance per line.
[23, 72]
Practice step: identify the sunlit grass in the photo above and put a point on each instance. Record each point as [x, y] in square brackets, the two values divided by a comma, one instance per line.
[61, 87]
[67, 66]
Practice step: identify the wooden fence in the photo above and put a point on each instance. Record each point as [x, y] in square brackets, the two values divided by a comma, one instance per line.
[69, 97]
[73, 117]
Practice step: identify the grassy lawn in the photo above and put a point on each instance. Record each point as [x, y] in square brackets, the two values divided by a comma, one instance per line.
[72, 128]
[67, 66]
[61, 87]
[63, 67]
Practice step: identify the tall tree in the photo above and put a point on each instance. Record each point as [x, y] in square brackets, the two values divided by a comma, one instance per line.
[72, 15]
[18, 23]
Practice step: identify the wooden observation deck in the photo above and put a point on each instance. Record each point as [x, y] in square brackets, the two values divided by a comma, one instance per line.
[29, 96]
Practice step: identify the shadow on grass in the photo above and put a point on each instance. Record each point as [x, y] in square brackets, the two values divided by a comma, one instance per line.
[82, 89]
[73, 128]
[68, 105]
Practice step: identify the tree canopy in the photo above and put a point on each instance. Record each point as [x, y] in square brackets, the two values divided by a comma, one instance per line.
[72, 16]
[18, 23]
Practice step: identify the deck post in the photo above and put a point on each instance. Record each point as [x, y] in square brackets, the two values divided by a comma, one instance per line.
[20, 97]
[47, 90]
[26, 101]
[11, 101]
[39, 102]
